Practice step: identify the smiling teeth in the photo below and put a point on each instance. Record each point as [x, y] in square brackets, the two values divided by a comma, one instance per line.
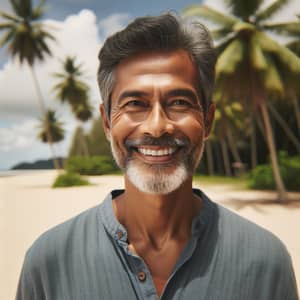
[160, 152]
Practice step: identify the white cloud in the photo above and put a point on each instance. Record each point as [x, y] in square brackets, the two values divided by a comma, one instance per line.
[19, 136]
[77, 35]
[113, 23]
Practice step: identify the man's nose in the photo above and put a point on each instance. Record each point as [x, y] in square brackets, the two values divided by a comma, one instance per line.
[157, 122]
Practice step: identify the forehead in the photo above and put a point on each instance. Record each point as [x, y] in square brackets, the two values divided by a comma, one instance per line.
[155, 68]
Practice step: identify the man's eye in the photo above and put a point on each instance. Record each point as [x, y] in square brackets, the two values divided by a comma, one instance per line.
[180, 103]
[135, 103]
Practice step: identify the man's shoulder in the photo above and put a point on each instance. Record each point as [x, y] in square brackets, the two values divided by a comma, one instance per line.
[249, 237]
[57, 240]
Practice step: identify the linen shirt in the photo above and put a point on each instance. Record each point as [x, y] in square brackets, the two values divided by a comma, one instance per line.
[227, 258]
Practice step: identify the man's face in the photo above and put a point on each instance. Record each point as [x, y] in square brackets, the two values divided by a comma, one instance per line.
[157, 127]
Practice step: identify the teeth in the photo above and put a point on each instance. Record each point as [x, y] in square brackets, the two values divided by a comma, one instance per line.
[161, 152]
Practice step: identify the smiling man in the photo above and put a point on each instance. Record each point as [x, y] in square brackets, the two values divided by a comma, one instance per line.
[159, 237]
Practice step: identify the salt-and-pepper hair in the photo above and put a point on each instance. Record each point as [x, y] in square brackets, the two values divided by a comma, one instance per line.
[166, 32]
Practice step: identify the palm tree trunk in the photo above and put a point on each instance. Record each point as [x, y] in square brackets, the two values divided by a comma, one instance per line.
[232, 145]
[209, 157]
[84, 145]
[238, 166]
[297, 110]
[289, 133]
[43, 110]
[282, 194]
[253, 146]
[225, 157]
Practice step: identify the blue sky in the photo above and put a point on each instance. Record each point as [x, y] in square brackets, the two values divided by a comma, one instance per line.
[80, 27]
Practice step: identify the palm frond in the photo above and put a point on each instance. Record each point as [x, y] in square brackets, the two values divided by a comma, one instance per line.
[7, 38]
[230, 58]
[272, 80]
[257, 58]
[6, 26]
[22, 8]
[294, 46]
[51, 130]
[208, 13]
[9, 17]
[285, 56]
[271, 10]
[38, 11]
[289, 29]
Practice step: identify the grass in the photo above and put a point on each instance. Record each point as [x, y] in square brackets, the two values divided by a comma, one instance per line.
[69, 179]
[237, 182]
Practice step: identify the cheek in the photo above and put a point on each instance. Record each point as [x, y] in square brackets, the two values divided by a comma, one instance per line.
[193, 127]
[121, 127]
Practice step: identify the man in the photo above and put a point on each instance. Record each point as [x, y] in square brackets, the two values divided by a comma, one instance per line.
[158, 238]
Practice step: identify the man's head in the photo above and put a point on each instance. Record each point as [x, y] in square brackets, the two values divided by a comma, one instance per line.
[156, 79]
[166, 33]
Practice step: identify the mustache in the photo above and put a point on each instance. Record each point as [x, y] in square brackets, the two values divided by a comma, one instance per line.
[165, 140]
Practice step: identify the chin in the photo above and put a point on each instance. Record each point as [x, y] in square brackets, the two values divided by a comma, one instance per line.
[158, 181]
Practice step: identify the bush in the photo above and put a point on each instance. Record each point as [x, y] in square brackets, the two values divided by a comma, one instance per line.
[94, 165]
[69, 179]
[262, 176]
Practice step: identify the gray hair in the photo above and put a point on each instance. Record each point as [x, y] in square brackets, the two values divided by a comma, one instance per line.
[166, 32]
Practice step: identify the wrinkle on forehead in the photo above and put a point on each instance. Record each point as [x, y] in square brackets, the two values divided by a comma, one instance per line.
[156, 69]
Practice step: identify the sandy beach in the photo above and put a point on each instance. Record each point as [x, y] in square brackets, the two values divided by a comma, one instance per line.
[29, 206]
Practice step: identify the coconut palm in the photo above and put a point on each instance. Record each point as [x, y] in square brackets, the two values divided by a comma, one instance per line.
[292, 30]
[51, 132]
[26, 38]
[251, 65]
[226, 128]
[72, 90]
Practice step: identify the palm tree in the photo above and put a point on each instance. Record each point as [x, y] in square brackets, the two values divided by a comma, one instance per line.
[252, 66]
[292, 30]
[226, 127]
[74, 91]
[26, 38]
[51, 131]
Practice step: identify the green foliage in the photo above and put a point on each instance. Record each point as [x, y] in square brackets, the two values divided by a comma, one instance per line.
[69, 179]
[97, 142]
[76, 148]
[262, 176]
[24, 33]
[94, 165]
[51, 130]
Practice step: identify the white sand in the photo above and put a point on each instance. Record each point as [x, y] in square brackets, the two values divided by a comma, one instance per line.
[28, 207]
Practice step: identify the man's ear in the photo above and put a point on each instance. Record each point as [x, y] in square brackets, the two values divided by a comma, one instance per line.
[209, 118]
[105, 121]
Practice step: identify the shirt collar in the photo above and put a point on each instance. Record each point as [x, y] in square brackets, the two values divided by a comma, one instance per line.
[118, 232]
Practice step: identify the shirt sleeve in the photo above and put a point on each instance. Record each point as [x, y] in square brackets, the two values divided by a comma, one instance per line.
[25, 285]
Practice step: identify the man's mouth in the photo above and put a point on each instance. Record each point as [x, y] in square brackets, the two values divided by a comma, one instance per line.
[157, 152]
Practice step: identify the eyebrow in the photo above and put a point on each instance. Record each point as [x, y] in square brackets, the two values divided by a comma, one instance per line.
[131, 94]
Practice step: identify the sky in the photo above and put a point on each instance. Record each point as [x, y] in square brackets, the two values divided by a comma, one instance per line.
[80, 28]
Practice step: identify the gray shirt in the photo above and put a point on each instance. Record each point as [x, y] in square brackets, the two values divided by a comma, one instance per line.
[227, 258]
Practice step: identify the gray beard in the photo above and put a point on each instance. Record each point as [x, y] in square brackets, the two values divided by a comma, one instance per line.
[157, 179]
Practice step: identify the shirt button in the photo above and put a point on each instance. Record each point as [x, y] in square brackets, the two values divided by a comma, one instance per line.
[119, 234]
[142, 276]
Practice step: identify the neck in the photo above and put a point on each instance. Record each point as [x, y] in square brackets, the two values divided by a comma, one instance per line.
[157, 218]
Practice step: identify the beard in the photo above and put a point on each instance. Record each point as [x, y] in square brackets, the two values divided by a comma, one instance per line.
[160, 179]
